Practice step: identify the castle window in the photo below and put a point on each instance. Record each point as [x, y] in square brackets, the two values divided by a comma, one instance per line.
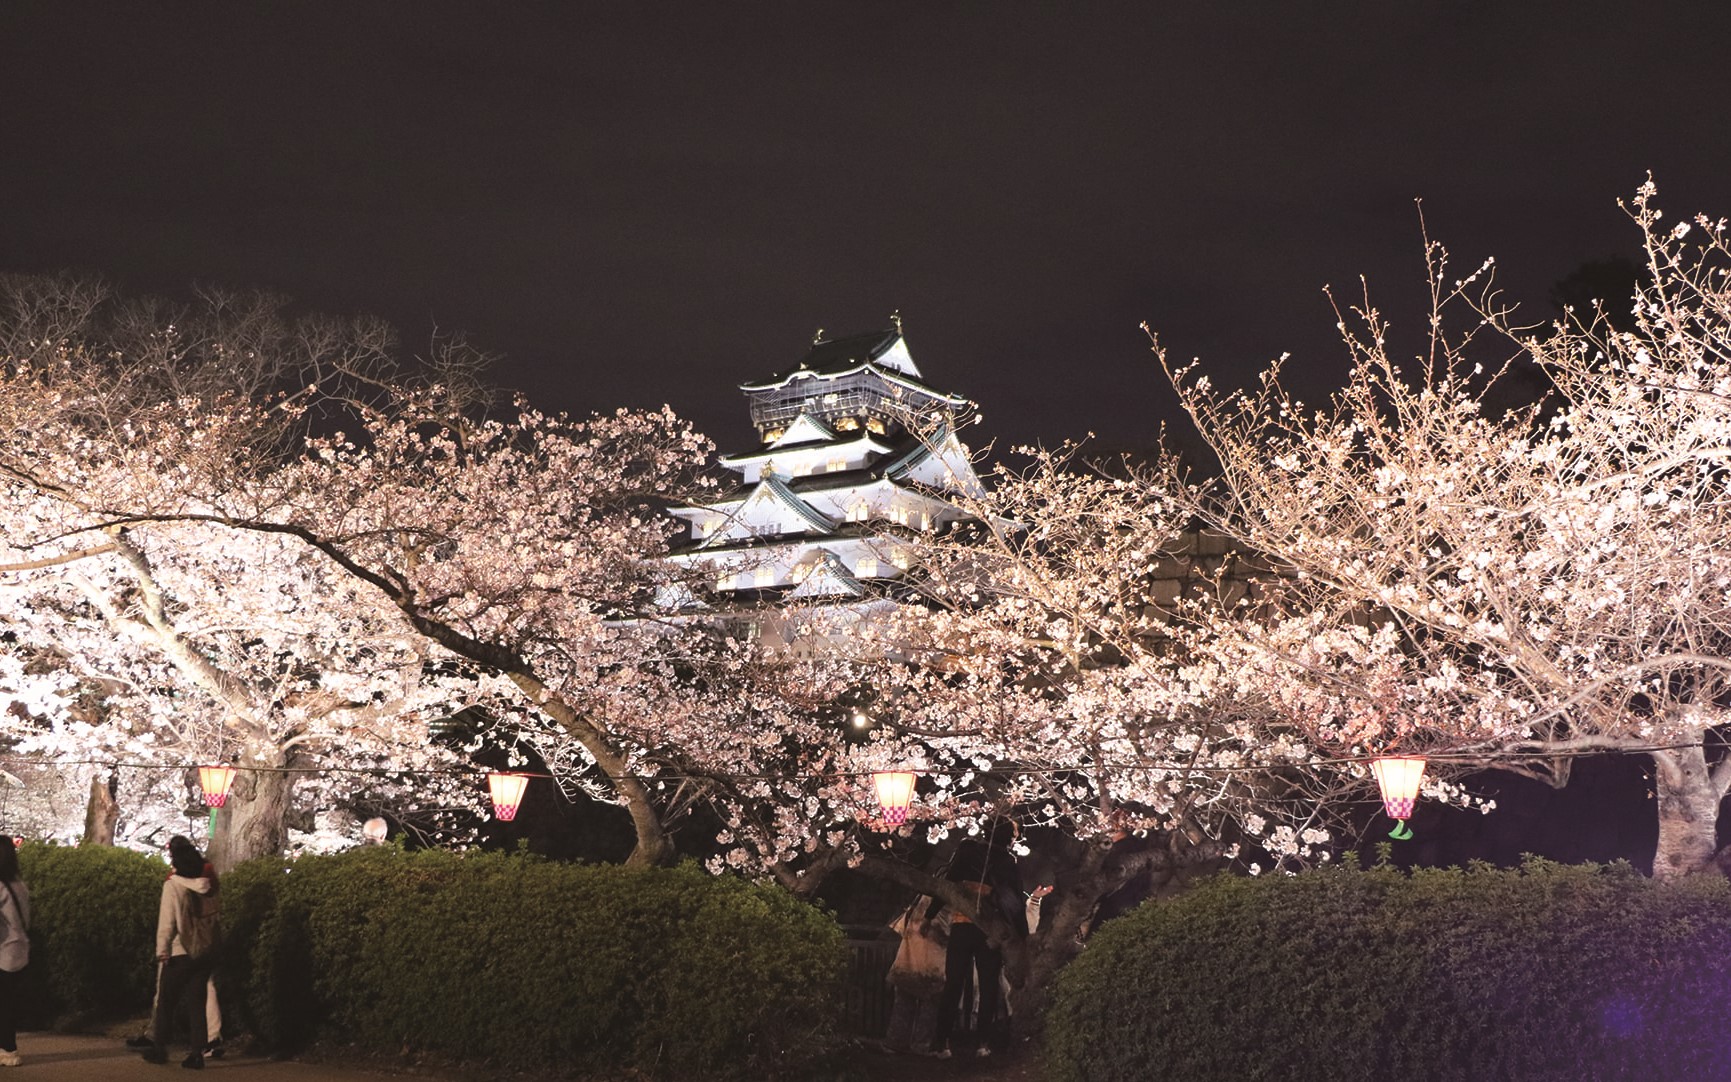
[867, 567]
[765, 577]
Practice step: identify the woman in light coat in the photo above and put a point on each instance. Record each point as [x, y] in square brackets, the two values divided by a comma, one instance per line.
[14, 948]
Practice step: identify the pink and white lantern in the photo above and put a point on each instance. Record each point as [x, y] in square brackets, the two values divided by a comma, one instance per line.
[507, 793]
[895, 793]
[215, 781]
[1399, 778]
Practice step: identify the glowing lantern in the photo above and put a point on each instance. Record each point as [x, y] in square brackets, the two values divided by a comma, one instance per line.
[1399, 777]
[507, 793]
[215, 781]
[895, 789]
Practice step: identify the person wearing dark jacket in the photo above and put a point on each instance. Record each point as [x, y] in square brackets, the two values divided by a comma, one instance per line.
[987, 871]
[186, 937]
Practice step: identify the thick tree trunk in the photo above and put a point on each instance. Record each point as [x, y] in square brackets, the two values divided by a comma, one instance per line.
[1688, 800]
[1033, 963]
[101, 811]
[254, 821]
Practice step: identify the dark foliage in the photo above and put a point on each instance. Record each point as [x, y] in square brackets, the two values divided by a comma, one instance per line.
[1546, 973]
[92, 932]
[524, 963]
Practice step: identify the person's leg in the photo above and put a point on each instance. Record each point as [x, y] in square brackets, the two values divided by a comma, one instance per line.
[190, 1006]
[177, 979]
[8, 1017]
[989, 963]
[212, 1019]
[147, 1038]
[192, 1003]
[957, 973]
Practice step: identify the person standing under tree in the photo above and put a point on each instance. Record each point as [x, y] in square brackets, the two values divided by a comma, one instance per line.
[187, 934]
[14, 948]
[212, 1009]
[987, 871]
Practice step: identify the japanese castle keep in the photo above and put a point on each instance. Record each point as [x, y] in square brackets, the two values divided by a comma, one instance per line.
[856, 449]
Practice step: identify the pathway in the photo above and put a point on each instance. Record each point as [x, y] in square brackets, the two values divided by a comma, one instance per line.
[82, 1058]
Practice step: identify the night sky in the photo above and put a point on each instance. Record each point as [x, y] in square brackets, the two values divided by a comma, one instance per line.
[647, 203]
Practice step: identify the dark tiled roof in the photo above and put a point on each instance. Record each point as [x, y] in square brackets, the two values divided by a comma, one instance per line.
[841, 354]
[836, 355]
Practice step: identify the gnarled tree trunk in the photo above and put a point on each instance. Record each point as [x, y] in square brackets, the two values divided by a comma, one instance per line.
[1688, 795]
[254, 822]
[101, 811]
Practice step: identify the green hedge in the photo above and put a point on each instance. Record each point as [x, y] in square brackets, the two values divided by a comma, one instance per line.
[1546, 973]
[92, 934]
[525, 963]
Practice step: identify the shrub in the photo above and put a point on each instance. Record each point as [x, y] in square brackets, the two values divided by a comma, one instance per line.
[1545, 973]
[526, 963]
[92, 931]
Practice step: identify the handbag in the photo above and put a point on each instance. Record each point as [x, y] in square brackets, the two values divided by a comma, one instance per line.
[15, 948]
[918, 968]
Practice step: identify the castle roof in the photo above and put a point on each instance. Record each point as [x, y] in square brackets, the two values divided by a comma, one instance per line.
[885, 351]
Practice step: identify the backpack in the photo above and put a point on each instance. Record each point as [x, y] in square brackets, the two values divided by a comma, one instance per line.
[198, 924]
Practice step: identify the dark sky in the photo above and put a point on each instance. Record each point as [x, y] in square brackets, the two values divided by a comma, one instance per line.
[647, 203]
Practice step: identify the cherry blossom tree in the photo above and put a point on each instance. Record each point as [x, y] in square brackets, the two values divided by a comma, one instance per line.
[128, 438]
[1050, 667]
[520, 547]
[1510, 588]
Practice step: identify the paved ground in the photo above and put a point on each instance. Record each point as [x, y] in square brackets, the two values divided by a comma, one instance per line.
[78, 1058]
[84, 1058]
[893, 1067]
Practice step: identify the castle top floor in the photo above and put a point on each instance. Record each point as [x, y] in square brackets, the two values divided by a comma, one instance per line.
[866, 384]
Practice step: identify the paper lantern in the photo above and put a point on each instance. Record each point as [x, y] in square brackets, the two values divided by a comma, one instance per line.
[895, 789]
[1399, 778]
[507, 793]
[215, 781]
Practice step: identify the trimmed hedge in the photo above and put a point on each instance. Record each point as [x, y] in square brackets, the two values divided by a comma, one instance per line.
[530, 964]
[92, 931]
[1545, 973]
